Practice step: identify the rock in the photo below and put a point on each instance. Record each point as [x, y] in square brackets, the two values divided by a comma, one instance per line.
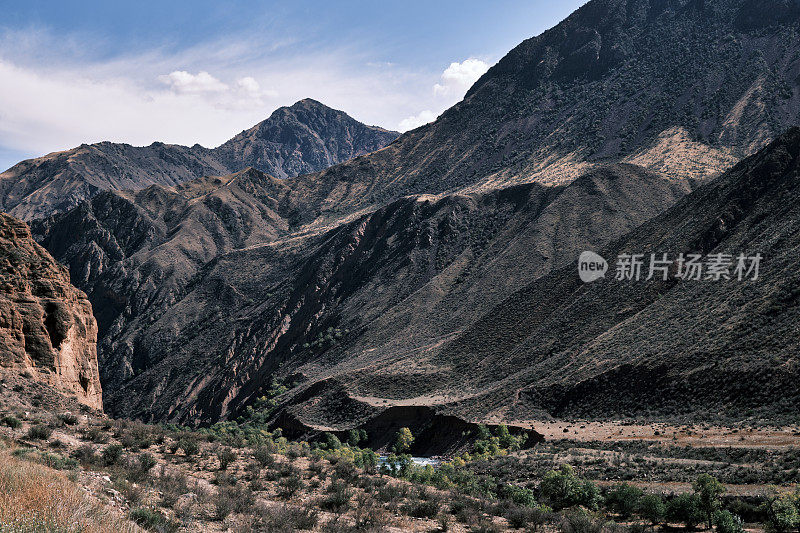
[46, 325]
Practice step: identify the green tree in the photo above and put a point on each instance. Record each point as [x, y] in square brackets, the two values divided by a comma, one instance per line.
[403, 441]
[652, 508]
[783, 513]
[708, 490]
[685, 509]
[562, 488]
[623, 499]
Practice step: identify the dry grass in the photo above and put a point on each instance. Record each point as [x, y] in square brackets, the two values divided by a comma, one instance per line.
[36, 498]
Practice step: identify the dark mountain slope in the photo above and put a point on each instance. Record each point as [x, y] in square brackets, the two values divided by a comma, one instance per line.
[614, 348]
[384, 284]
[684, 87]
[305, 137]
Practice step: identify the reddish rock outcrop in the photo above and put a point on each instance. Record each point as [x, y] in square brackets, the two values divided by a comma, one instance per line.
[46, 324]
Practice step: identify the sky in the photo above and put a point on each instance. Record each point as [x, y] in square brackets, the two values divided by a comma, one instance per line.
[200, 71]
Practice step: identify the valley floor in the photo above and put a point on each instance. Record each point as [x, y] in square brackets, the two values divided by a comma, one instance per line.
[117, 475]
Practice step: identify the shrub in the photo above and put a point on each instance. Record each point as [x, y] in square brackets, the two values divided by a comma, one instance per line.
[111, 454]
[562, 488]
[85, 454]
[225, 456]
[236, 498]
[289, 486]
[783, 514]
[95, 434]
[146, 461]
[727, 522]
[356, 437]
[652, 508]
[338, 497]
[330, 441]
[263, 455]
[369, 516]
[151, 519]
[10, 421]
[68, 418]
[40, 432]
[580, 522]
[527, 517]
[519, 495]
[172, 487]
[289, 519]
[189, 446]
[57, 462]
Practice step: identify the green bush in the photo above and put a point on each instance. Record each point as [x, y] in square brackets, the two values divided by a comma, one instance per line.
[403, 441]
[189, 446]
[623, 499]
[652, 508]
[685, 509]
[727, 522]
[783, 513]
[708, 490]
[562, 488]
[152, 520]
[40, 432]
[10, 421]
[111, 454]
[68, 418]
[225, 456]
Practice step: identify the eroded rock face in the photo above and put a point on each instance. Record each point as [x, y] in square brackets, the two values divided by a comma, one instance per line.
[46, 324]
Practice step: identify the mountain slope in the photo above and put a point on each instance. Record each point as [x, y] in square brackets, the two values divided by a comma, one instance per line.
[685, 87]
[46, 325]
[200, 342]
[667, 348]
[305, 137]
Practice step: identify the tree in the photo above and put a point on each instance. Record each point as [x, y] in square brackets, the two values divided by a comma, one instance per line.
[685, 509]
[652, 508]
[623, 499]
[708, 489]
[562, 488]
[783, 513]
[403, 441]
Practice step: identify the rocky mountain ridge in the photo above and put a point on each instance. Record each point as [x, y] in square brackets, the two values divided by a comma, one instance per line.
[46, 325]
[306, 137]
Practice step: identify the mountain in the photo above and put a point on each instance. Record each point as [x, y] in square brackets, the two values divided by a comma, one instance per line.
[203, 311]
[305, 137]
[717, 349]
[46, 325]
[367, 286]
[685, 87]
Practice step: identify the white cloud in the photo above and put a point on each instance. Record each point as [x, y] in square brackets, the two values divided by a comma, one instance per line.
[459, 77]
[56, 98]
[453, 85]
[184, 82]
[409, 123]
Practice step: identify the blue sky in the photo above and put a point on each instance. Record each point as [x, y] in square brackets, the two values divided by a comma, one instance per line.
[202, 71]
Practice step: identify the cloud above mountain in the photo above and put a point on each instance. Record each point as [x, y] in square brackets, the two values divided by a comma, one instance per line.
[459, 77]
[452, 86]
